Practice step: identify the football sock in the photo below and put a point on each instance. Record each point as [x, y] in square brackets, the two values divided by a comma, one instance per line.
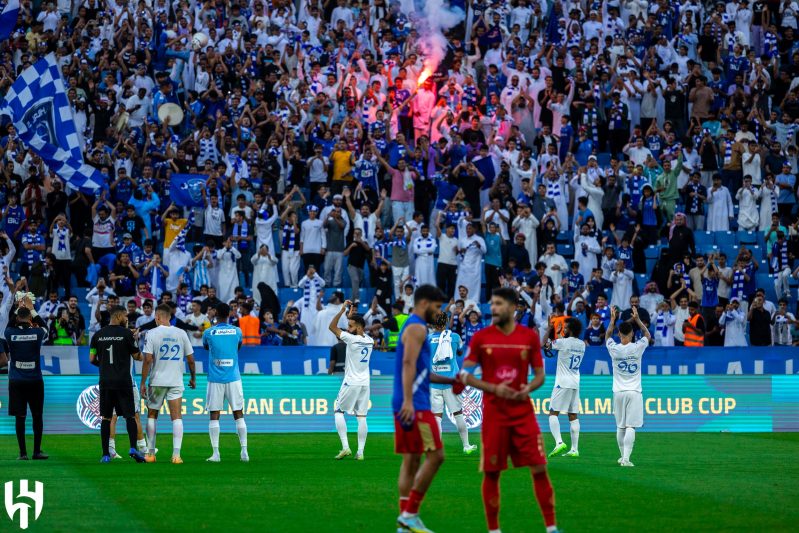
[213, 432]
[105, 430]
[363, 429]
[38, 429]
[151, 435]
[491, 499]
[130, 426]
[20, 428]
[241, 429]
[463, 431]
[414, 501]
[574, 429]
[177, 436]
[629, 441]
[554, 427]
[403, 503]
[141, 444]
[112, 442]
[545, 497]
[341, 427]
[620, 440]
[440, 422]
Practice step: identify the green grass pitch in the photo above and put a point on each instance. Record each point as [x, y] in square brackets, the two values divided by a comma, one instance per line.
[681, 483]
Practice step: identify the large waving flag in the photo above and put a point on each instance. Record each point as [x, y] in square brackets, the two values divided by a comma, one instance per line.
[40, 111]
[8, 19]
[187, 189]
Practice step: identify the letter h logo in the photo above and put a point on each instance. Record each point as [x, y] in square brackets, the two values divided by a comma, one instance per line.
[12, 508]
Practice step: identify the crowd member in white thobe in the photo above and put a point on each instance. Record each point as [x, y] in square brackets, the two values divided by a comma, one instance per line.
[265, 220]
[768, 203]
[622, 280]
[322, 336]
[748, 211]
[590, 181]
[177, 260]
[734, 321]
[556, 191]
[556, 266]
[664, 321]
[264, 270]
[495, 213]
[311, 284]
[750, 161]
[651, 298]
[586, 248]
[526, 224]
[471, 248]
[424, 248]
[720, 209]
[423, 104]
[226, 258]
[681, 314]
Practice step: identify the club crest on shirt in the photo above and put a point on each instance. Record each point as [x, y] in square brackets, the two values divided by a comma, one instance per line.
[88, 407]
[524, 355]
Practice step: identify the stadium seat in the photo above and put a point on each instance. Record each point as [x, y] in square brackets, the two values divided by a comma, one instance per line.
[652, 252]
[565, 237]
[731, 251]
[763, 280]
[641, 280]
[566, 250]
[725, 238]
[707, 249]
[603, 159]
[704, 238]
[650, 264]
[746, 237]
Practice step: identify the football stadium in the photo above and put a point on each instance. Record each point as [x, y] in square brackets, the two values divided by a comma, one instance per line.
[399, 265]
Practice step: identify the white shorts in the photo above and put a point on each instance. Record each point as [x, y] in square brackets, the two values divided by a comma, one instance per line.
[441, 397]
[157, 395]
[565, 400]
[217, 393]
[628, 406]
[353, 399]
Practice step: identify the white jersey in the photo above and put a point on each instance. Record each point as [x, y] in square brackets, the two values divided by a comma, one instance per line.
[570, 354]
[169, 346]
[356, 366]
[627, 364]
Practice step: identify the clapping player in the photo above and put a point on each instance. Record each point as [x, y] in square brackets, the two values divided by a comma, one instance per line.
[566, 393]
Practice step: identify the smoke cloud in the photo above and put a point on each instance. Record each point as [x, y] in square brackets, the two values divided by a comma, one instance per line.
[431, 19]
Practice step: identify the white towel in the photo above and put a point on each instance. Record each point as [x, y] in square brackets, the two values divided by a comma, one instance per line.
[444, 350]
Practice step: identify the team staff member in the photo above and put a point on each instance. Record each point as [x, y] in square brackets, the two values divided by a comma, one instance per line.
[112, 349]
[25, 383]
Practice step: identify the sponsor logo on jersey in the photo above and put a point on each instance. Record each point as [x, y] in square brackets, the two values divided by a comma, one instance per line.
[226, 331]
[223, 362]
[88, 407]
[111, 339]
[506, 373]
[472, 407]
[24, 338]
[25, 365]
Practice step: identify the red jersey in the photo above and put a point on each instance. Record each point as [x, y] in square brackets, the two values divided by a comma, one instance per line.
[502, 358]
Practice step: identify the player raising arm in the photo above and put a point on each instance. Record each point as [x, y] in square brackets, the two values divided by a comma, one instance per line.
[353, 397]
[566, 393]
[628, 402]
[506, 352]
[164, 352]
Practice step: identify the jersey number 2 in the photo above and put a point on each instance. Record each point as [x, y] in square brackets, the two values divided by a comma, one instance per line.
[365, 354]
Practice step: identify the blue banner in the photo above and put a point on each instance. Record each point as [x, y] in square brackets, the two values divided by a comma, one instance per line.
[311, 360]
[8, 19]
[187, 189]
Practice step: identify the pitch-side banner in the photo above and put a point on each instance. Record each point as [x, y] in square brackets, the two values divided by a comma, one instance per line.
[312, 360]
[281, 404]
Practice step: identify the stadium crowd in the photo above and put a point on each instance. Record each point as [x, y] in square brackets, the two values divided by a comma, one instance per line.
[587, 154]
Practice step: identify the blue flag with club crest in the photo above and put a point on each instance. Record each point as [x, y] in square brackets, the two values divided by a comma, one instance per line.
[186, 190]
[38, 106]
[8, 19]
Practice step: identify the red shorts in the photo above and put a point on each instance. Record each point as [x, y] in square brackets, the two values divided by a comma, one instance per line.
[421, 437]
[522, 441]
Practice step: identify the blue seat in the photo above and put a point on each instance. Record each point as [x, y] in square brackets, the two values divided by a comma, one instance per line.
[603, 159]
[565, 237]
[746, 237]
[642, 280]
[566, 250]
[731, 251]
[725, 238]
[764, 280]
[704, 238]
[707, 249]
[650, 264]
[652, 252]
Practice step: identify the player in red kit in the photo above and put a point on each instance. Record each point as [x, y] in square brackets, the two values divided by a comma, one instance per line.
[506, 352]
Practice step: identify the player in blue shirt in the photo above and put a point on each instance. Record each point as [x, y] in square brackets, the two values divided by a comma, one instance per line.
[415, 427]
[224, 380]
[446, 347]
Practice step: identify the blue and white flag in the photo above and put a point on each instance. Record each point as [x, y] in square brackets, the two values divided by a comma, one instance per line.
[187, 189]
[8, 19]
[38, 106]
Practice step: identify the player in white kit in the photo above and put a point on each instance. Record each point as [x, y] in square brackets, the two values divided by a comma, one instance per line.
[165, 350]
[628, 402]
[353, 397]
[566, 393]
